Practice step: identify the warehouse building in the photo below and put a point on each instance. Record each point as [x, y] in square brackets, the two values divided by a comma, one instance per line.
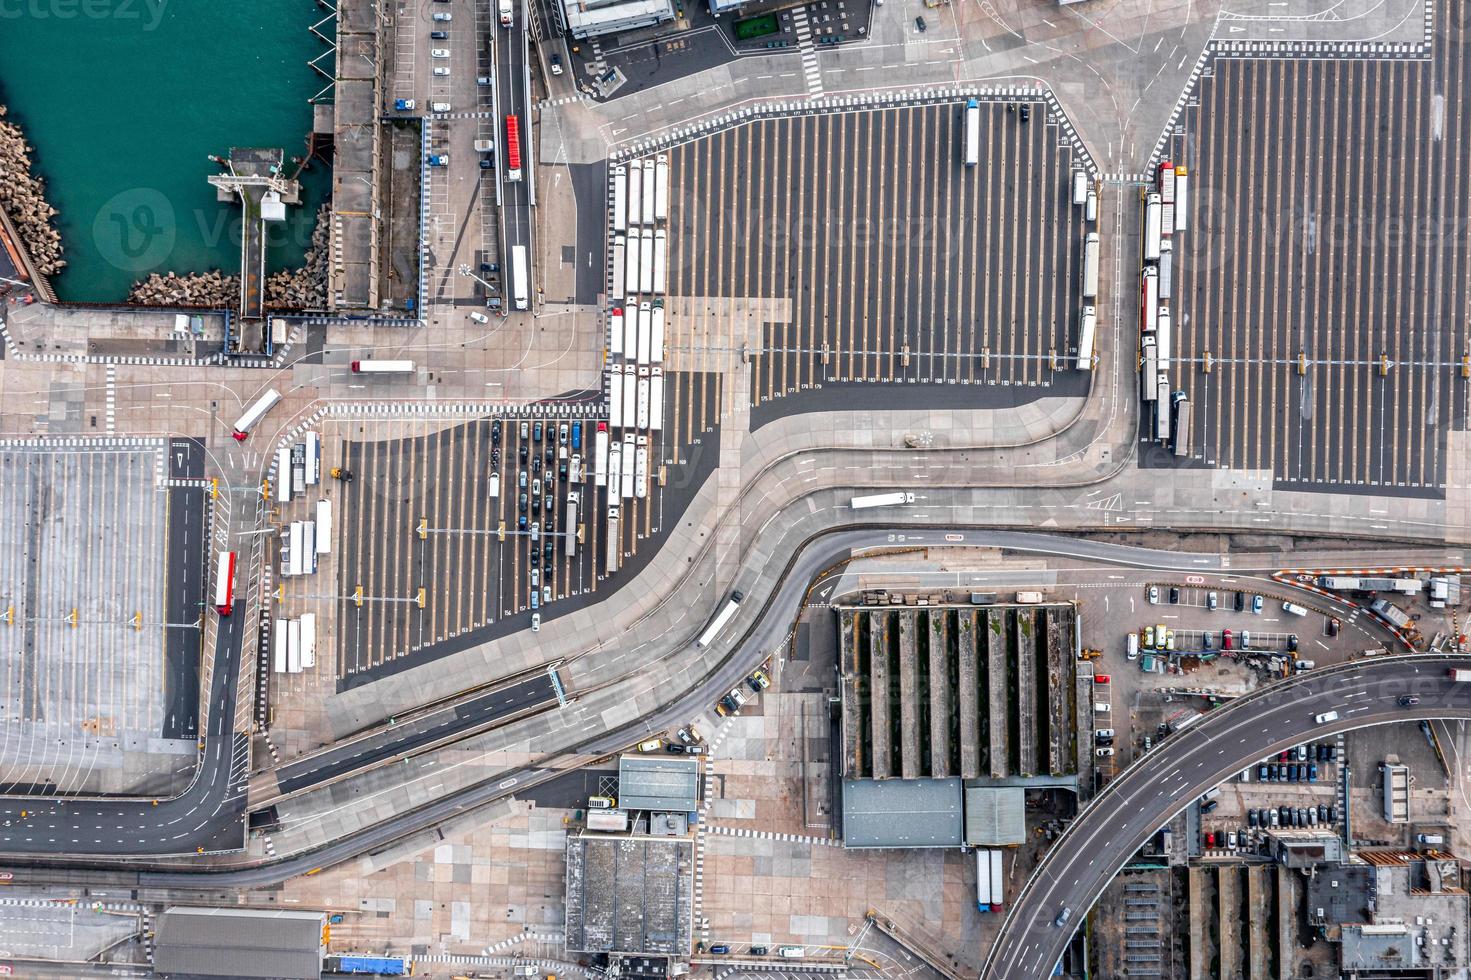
[902, 813]
[629, 895]
[663, 783]
[246, 943]
[596, 18]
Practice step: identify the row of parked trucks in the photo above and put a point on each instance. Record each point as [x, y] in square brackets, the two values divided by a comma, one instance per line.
[1164, 214]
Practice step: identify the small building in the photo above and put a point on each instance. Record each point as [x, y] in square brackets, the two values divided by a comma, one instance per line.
[266, 943]
[995, 816]
[1396, 791]
[902, 813]
[668, 783]
[1305, 848]
[629, 895]
[595, 18]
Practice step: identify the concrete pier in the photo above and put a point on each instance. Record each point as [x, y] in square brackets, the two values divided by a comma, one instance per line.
[254, 175]
[1026, 691]
[1228, 917]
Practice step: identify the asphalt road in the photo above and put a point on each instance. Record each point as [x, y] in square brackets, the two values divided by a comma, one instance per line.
[411, 736]
[1165, 781]
[209, 814]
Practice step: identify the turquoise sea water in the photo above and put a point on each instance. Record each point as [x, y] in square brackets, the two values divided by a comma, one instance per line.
[124, 100]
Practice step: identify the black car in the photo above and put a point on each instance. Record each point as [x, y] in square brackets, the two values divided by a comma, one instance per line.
[758, 950]
[523, 503]
[549, 502]
[547, 551]
[535, 464]
[1331, 627]
[521, 452]
[546, 524]
[730, 705]
[1291, 642]
[1407, 700]
[536, 505]
[1322, 813]
[551, 455]
[1241, 602]
[920, 25]
[439, 35]
[1026, 111]
[673, 748]
[1322, 752]
[1284, 814]
[1251, 818]
[536, 432]
[1209, 805]
[535, 558]
[495, 433]
[562, 471]
[495, 457]
[1272, 773]
[521, 523]
[1174, 595]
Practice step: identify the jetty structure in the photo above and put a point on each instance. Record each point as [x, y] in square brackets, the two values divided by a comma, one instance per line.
[255, 177]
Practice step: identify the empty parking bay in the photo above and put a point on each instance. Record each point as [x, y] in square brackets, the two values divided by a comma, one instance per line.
[1324, 267]
[837, 249]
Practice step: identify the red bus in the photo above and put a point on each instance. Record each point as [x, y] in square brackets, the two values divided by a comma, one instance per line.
[225, 583]
[513, 148]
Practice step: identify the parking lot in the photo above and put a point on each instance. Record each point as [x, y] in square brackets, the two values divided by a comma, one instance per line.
[840, 248]
[88, 699]
[420, 514]
[1330, 228]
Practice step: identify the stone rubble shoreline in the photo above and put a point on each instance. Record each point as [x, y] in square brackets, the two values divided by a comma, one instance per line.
[23, 196]
[302, 288]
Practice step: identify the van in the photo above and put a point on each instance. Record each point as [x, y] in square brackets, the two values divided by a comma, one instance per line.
[1325, 717]
[1305, 664]
[601, 803]
[1102, 707]
[479, 317]
[1294, 608]
[503, 8]
[1133, 646]
[439, 107]
[651, 745]
[1430, 839]
[791, 952]
[1213, 793]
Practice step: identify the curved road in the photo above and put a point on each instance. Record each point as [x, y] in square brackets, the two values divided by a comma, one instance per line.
[1166, 780]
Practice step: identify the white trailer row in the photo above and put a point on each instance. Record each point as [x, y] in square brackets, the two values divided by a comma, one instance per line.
[303, 543]
[640, 193]
[294, 644]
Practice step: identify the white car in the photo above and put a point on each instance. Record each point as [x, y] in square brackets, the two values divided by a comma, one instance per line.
[1326, 717]
[444, 17]
[1104, 752]
[479, 317]
[1103, 733]
[1154, 594]
[439, 52]
[535, 621]
[441, 72]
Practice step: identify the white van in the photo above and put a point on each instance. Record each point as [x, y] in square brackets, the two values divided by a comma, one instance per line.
[1294, 608]
[439, 107]
[1325, 717]
[1102, 707]
[503, 8]
[1133, 646]
[791, 952]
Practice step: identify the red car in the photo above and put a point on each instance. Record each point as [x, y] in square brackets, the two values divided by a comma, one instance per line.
[1210, 839]
[1226, 640]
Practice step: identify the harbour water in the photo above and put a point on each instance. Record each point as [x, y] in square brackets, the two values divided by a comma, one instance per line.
[124, 101]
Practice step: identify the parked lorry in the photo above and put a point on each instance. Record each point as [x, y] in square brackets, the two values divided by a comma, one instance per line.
[881, 500]
[1460, 674]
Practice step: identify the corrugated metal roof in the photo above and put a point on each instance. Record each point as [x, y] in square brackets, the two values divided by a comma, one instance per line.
[264, 943]
[995, 816]
[653, 783]
[902, 813]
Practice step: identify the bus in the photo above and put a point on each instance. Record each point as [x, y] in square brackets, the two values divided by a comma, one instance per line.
[255, 413]
[518, 277]
[972, 133]
[382, 367]
[721, 619]
[225, 583]
[513, 148]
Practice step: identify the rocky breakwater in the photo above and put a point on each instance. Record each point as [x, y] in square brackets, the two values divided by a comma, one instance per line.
[23, 196]
[303, 288]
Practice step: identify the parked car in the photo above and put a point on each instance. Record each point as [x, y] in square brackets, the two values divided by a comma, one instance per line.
[535, 622]
[758, 681]
[1256, 604]
[1154, 594]
[1211, 601]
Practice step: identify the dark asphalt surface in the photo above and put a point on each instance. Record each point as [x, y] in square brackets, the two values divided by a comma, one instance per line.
[1166, 780]
[408, 737]
[191, 570]
[211, 812]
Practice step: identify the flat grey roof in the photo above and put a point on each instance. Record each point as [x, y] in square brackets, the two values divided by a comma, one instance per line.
[902, 813]
[995, 816]
[659, 783]
[629, 894]
[264, 943]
